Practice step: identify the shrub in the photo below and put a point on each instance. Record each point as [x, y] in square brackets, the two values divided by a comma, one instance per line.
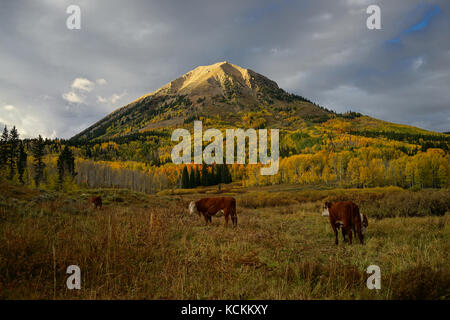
[265, 199]
[421, 283]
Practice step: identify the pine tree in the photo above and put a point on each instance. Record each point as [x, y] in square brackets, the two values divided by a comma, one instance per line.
[212, 176]
[39, 165]
[204, 175]
[71, 163]
[226, 175]
[185, 178]
[198, 180]
[192, 179]
[13, 147]
[66, 164]
[219, 170]
[21, 162]
[4, 148]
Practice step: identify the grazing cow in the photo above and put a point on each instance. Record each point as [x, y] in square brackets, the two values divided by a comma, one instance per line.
[346, 215]
[97, 202]
[209, 207]
[364, 225]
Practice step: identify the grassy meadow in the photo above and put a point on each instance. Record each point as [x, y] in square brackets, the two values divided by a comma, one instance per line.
[142, 246]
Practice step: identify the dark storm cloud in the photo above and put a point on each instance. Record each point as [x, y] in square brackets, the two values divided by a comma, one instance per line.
[319, 49]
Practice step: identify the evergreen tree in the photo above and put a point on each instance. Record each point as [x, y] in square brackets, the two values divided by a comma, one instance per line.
[66, 164]
[4, 148]
[185, 178]
[13, 148]
[219, 173]
[198, 180]
[21, 162]
[39, 165]
[226, 175]
[212, 176]
[204, 175]
[192, 179]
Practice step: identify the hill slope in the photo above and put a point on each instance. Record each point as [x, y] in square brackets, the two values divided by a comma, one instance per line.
[224, 95]
[223, 92]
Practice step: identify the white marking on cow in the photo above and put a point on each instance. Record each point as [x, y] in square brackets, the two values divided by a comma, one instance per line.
[192, 208]
[363, 227]
[220, 213]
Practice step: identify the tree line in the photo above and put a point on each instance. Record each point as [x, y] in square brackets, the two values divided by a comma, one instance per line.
[367, 167]
[14, 158]
[425, 141]
[218, 173]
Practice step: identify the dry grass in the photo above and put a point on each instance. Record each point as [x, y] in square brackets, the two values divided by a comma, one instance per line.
[146, 247]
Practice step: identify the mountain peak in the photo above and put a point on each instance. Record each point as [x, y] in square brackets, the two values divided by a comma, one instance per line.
[216, 79]
[221, 91]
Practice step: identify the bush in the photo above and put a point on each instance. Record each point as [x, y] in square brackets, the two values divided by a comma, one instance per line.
[408, 204]
[421, 283]
[265, 199]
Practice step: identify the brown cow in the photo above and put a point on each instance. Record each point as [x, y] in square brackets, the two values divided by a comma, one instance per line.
[364, 225]
[97, 202]
[209, 207]
[346, 215]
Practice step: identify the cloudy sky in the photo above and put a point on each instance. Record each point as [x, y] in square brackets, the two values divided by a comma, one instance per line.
[56, 82]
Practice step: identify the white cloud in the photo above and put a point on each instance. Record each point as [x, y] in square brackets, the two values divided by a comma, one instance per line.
[101, 99]
[322, 35]
[101, 81]
[28, 125]
[83, 84]
[417, 63]
[116, 97]
[53, 135]
[73, 97]
[9, 107]
[112, 99]
[359, 2]
[324, 17]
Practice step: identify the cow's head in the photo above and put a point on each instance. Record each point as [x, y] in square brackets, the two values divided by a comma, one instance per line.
[364, 223]
[193, 208]
[326, 209]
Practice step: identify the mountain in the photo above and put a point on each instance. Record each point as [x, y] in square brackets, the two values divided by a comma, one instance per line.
[223, 92]
[224, 95]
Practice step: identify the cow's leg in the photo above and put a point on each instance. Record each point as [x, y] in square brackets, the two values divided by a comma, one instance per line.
[360, 235]
[335, 233]
[227, 216]
[343, 234]
[206, 218]
[234, 215]
[349, 233]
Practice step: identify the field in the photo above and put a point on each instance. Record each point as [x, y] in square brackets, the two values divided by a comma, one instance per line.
[148, 247]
